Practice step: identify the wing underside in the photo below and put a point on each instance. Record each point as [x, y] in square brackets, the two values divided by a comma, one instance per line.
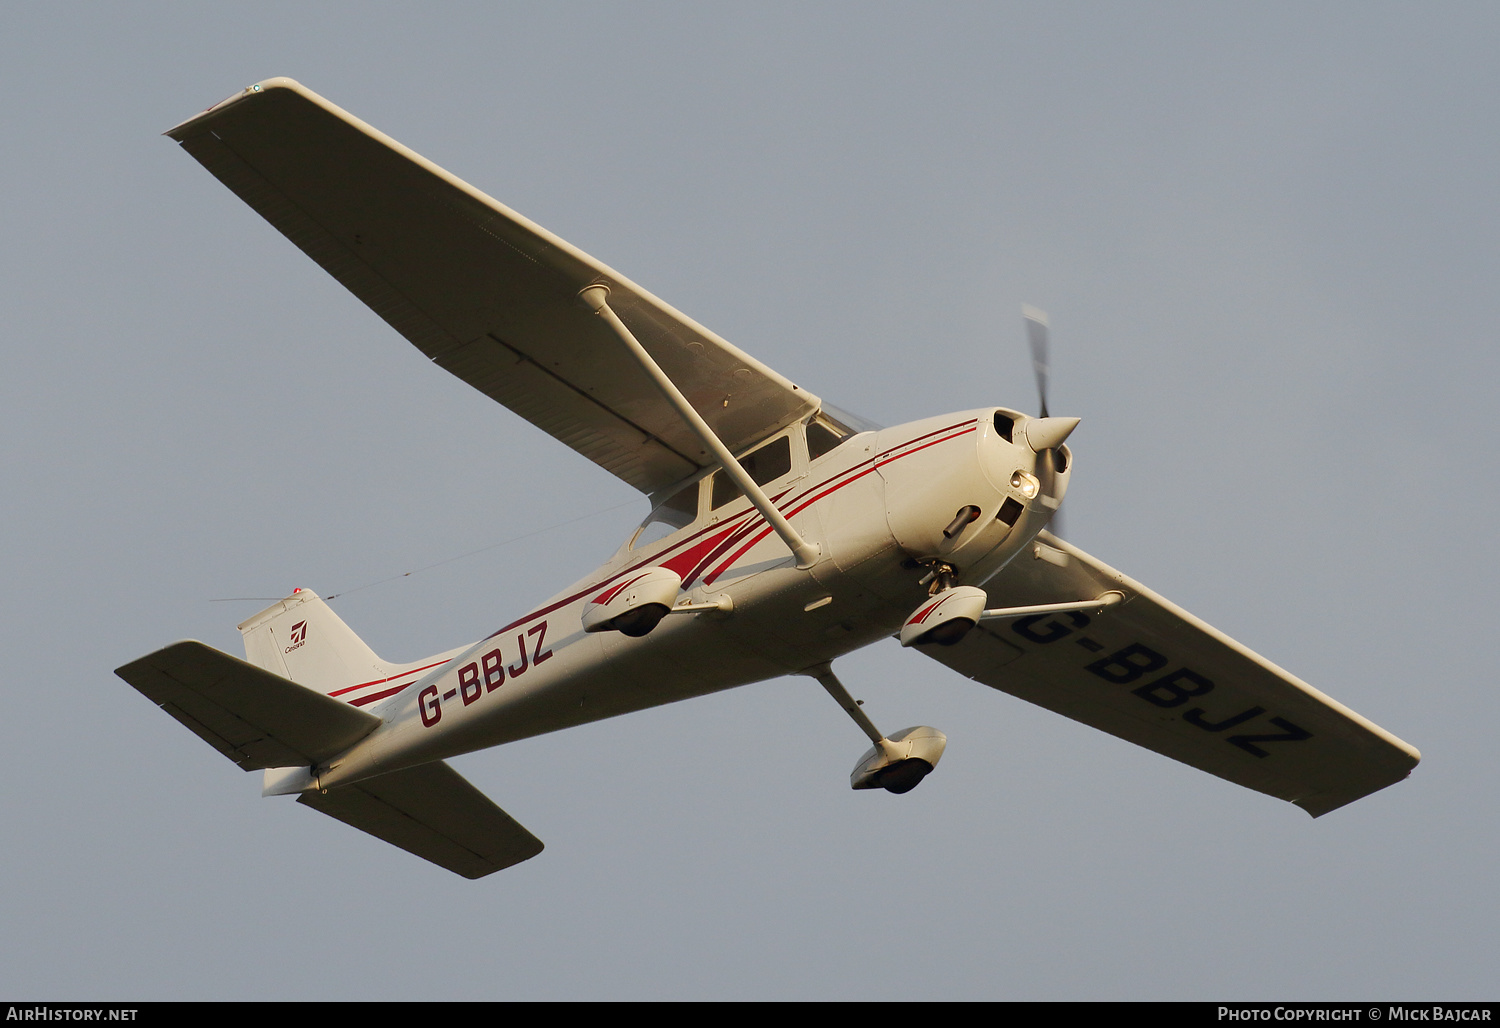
[483, 292]
[1149, 672]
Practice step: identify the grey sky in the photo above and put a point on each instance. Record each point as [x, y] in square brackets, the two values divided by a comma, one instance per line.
[1266, 236]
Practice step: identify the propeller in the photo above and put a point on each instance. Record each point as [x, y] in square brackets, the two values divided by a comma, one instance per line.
[1036, 334]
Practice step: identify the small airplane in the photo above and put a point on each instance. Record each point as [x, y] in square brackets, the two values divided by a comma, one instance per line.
[783, 534]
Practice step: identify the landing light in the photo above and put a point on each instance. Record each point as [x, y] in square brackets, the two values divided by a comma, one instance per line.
[1026, 483]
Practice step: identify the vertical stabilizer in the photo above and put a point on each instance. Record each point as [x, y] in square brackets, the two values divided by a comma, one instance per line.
[301, 638]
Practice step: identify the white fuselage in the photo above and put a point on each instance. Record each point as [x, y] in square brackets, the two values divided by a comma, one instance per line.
[876, 506]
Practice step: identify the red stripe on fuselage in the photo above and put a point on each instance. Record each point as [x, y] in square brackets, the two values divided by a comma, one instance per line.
[378, 681]
[749, 524]
[690, 560]
[832, 485]
[729, 534]
[876, 464]
[393, 690]
[653, 560]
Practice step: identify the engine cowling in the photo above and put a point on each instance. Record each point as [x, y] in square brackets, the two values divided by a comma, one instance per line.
[973, 488]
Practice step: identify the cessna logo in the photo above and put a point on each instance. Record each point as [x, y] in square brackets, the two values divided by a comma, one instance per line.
[299, 636]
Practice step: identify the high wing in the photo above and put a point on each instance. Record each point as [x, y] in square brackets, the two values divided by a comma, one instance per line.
[485, 293]
[1149, 672]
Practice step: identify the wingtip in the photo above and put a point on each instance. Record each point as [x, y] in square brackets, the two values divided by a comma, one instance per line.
[146, 657]
[180, 130]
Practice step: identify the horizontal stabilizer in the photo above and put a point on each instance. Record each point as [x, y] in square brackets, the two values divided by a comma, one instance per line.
[255, 718]
[433, 812]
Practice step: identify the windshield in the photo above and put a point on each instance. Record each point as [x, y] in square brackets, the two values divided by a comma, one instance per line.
[677, 511]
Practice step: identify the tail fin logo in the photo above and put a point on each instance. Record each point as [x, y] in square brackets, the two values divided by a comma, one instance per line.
[298, 637]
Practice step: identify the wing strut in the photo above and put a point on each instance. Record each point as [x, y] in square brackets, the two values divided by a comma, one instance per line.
[596, 298]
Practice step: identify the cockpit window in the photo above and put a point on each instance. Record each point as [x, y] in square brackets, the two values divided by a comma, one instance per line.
[764, 465]
[854, 422]
[678, 511]
[724, 490]
[824, 434]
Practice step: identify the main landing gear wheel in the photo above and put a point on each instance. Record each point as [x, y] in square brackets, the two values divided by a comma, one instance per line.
[896, 764]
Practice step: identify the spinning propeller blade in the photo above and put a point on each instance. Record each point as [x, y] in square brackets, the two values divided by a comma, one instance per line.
[1036, 334]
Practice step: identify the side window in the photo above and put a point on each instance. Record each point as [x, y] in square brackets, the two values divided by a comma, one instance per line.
[678, 511]
[766, 464]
